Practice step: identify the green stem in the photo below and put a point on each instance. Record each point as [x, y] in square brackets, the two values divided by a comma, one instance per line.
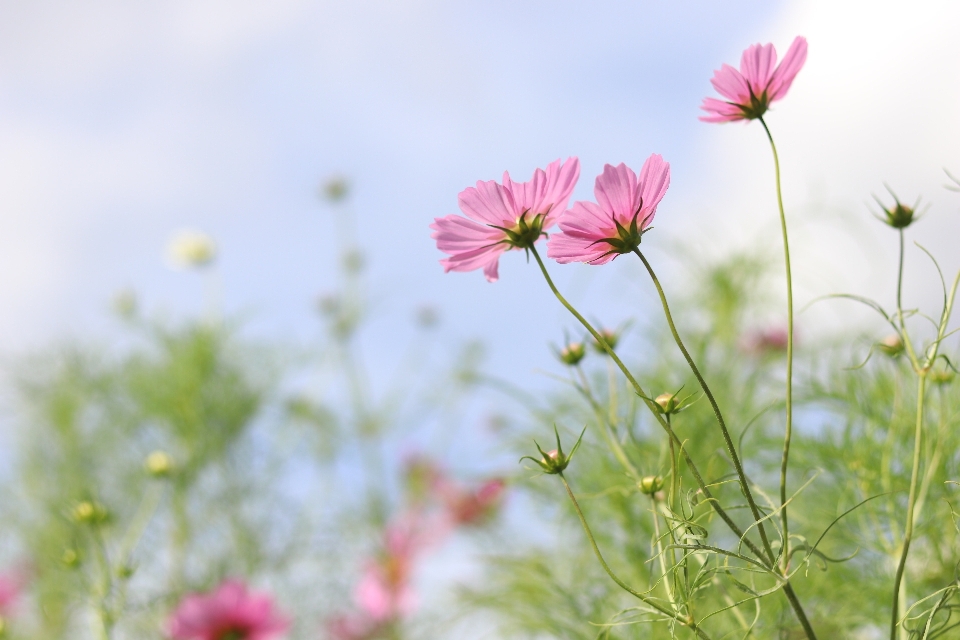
[654, 408]
[685, 621]
[788, 430]
[731, 449]
[911, 503]
[660, 554]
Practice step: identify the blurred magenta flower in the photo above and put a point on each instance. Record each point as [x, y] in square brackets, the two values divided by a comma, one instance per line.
[503, 217]
[596, 233]
[759, 82]
[231, 612]
[10, 588]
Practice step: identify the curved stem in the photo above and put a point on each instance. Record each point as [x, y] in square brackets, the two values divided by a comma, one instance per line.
[685, 621]
[788, 430]
[911, 504]
[654, 408]
[731, 449]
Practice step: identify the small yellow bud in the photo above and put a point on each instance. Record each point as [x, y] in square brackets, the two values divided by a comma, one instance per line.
[941, 377]
[572, 354]
[649, 485]
[88, 512]
[158, 464]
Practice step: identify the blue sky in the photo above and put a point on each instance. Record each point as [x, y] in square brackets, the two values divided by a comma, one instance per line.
[122, 123]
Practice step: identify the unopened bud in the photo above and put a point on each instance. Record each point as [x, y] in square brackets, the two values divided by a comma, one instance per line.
[667, 402]
[70, 558]
[555, 460]
[88, 512]
[572, 354]
[899, 216]
[941, 377]
[610, 337]
[336, 189]
[649, 485]
[892, 345]
[158, 464]
[192, 249]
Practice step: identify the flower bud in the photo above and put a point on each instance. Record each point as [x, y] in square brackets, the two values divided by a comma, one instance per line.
[70, 558]
[88, 512]
[941, 377]
[158, 464]
[649, 485]
[572, 354]
[555, 460]
[336, 189]
[192, 249]
[668, 402]
[892, 345]
[899, 216]
[609, 336]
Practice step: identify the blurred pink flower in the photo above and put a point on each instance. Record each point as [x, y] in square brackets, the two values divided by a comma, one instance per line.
[503, 217]
[228, 613]
[465, 507]
[10, 587]
[759, 82]
[598, 233]
[353, 627]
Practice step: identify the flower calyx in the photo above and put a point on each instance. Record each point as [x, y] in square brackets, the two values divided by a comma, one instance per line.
[526, 232]
[555, 461]
[628, 237]
[757, 107]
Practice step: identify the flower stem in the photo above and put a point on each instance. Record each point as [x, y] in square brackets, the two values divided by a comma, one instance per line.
[685, 621]
[731, 449]
[788, 430]
[654, 408]
[911, 504]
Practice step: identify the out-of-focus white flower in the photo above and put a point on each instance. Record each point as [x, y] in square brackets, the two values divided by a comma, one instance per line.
[191, 249]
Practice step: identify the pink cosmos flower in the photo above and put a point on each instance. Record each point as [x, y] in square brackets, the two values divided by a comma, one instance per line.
[228, 613]
[10, 586]
[759, 82]
[503, 217]
[596, 233]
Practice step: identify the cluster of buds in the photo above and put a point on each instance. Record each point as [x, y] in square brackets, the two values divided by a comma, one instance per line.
[555, 461]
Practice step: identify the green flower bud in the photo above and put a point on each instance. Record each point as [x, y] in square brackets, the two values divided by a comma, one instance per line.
[555, 461]
[158, 464]
[941, 377]
[892, 345]
[70, 558]
[572, 354]
[88, 512]
[899, 216]
[610, 337]
[649, 485]
[668, 402]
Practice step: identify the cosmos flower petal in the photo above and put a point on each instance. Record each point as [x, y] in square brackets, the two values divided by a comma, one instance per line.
[489, 203]
[757, 64]
[616, 192]
[788, 69]
[654, 181]
[730, 83]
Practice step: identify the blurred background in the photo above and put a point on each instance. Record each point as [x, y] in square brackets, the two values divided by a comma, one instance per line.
[123, 124]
